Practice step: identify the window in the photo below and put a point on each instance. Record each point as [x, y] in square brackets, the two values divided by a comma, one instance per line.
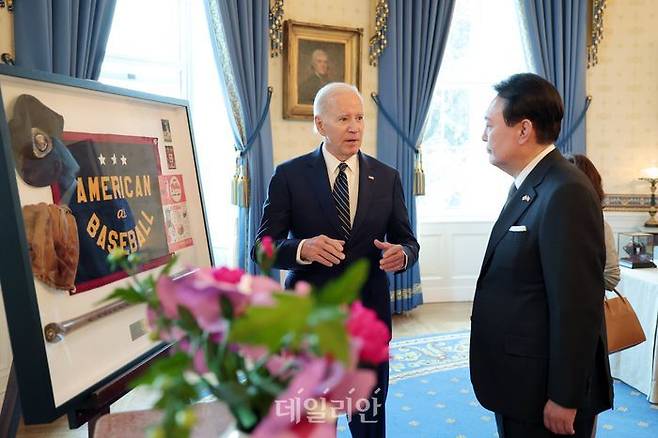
[171, 54]
[484, 46]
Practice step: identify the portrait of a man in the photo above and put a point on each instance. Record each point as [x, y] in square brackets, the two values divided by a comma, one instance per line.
[319, 63]
[314, 56]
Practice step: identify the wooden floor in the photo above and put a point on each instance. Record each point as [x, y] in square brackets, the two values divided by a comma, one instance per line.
[427, 319]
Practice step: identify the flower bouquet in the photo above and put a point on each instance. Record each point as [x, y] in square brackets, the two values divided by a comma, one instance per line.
[283, 362]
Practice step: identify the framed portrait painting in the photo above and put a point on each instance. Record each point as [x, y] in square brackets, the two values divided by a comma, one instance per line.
[315, 55]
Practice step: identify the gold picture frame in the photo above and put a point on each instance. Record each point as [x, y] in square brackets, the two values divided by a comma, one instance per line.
[315, 55]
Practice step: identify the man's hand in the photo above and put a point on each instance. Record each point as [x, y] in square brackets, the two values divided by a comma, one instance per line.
[392, 256]
[323, 250]
[558, 419]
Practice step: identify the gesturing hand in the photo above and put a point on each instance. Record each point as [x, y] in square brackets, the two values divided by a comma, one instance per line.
[323, 249]
[392, 256]
[559, 419]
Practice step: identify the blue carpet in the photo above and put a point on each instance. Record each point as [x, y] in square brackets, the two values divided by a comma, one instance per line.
[430, 395]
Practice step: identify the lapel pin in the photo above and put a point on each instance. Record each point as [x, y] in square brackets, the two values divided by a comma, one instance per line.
[526, 198]
[371, 177]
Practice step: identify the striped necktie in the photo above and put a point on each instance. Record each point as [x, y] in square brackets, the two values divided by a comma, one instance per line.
[341, 195]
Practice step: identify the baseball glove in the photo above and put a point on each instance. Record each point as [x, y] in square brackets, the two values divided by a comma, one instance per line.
[52, 236]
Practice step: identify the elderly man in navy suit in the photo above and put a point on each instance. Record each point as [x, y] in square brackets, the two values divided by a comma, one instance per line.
[538, 347]
[335, 205]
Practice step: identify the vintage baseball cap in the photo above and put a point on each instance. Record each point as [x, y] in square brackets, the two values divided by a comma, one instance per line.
[41, 157]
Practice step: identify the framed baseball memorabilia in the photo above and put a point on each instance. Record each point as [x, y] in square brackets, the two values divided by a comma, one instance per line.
[84, 170]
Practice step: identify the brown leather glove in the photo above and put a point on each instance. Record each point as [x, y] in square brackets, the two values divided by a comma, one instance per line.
[52, 235]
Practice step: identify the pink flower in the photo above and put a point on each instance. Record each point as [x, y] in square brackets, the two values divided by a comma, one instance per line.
[268, 246]
[302, 288]
[372, 333]
[259, 289]
[198, 356]
[277, 364]
[322, 389]
[226, 275]
[200, 293]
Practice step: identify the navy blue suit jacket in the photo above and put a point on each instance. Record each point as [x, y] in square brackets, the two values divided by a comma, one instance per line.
[300, 206]
[537, 329]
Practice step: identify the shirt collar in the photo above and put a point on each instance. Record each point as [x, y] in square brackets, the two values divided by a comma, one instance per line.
[531, 165]
[333, 162]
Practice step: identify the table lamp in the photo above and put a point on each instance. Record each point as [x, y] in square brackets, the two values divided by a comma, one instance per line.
[651, 175]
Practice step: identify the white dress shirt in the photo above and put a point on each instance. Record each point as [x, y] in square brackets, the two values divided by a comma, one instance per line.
[531, 165]
[352, 173]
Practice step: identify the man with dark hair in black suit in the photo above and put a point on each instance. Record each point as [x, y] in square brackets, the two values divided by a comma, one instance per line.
[538, 347]
[336, 205]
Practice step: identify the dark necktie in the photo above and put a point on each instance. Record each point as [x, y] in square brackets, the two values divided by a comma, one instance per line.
[342, 200]
[510, 194]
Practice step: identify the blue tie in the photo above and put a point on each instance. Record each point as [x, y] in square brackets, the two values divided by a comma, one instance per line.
[341, 195]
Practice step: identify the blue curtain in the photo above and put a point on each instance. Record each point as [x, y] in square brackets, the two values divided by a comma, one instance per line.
[63, 36]
[239, 32]
[408, 69]
[556, 33]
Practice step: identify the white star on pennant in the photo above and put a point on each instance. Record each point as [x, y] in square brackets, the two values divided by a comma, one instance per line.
[114, 158]
[124, 160]
[101, 159]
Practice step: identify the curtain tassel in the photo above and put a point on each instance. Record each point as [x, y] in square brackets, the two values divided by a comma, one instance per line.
[240, 184]
[419, 176]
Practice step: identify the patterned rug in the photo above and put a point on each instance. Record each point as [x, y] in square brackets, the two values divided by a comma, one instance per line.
[430, 395]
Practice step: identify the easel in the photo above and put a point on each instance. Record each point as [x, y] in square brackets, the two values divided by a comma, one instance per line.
[89, 411]
[11, 407]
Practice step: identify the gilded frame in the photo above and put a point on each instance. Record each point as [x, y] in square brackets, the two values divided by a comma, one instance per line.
[338, 48]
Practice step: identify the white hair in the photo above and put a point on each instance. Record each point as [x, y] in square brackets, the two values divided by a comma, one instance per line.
[325, 93]
[316, 53]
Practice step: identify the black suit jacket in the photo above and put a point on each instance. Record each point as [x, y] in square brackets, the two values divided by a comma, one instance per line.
[300, 205]
[537, 329]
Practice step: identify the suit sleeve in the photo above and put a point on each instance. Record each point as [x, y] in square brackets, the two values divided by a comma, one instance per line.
[399, 229]
[571, 246]
[276, 222]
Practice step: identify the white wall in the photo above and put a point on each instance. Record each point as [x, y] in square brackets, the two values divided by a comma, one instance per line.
[450, 257]
[622, 133]
[451, 254]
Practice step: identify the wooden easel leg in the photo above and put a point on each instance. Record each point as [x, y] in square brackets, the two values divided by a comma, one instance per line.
[11, 407]
[91, 424]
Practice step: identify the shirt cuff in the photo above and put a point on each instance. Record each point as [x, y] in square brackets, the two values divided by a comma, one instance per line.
[299, 254]
[406, 260]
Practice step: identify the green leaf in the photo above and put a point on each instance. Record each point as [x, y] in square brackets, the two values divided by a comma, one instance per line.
[226, 307]
[171, 366]
[346, 288]
[265, 383]
[272, 326]
[170, 264]
[187, 322]
[129, 295]
[332, 339]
